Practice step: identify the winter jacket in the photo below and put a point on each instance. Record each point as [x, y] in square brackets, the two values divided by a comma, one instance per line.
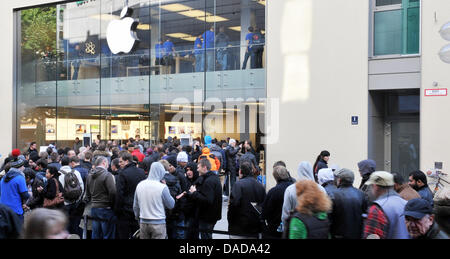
[304, 172]
[426, 194]
[231, 158]
[152, 197]
[243, 218]
[127, 180]
[272, 207]
[138, 154]
[434, 233]
[215, 163]
[13, 190]
[407, 192]
[100, 188]
[154, 157]
[349, 205]
[208, 198]
[10, 224]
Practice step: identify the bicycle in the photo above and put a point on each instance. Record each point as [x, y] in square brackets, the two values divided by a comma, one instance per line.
[439, 175]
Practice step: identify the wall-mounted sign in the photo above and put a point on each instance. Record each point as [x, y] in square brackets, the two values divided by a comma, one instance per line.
[355, 120]
[90, 48]
[121, 34]
[436, 92]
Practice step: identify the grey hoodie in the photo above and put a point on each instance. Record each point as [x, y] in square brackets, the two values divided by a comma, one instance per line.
[304, 172]
[100, 188]
[152, 197]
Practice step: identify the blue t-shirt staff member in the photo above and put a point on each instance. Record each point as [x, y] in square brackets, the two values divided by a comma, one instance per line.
[198, 53]
[169, 53]
[208, 44]
[249, 41]
[159, 53]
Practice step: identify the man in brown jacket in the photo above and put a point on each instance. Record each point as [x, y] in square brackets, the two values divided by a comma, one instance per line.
[403, 189]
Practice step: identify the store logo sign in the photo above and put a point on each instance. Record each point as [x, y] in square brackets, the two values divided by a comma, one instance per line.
[121, 34]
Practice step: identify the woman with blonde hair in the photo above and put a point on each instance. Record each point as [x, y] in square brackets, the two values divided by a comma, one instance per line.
[310, 219]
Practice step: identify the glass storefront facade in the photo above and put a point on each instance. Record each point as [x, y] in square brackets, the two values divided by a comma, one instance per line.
[184, 76]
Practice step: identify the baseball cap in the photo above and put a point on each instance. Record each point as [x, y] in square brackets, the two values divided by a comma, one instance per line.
[417, 208]
[381, 178]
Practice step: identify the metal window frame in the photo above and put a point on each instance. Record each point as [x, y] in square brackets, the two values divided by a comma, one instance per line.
[372, 10]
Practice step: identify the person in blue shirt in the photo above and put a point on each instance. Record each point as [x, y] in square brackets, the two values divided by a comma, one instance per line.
[249, 41]
[208, 44]
[198, 53]
[169, 53]
[257, 49]
[13, 188]
[222, 44]
[159, 53]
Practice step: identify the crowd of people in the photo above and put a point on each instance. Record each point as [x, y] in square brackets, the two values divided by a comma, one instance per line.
[171, 191]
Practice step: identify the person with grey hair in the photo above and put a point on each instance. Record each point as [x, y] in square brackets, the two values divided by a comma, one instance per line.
[349, 205]
[272, 205]
[101, 192]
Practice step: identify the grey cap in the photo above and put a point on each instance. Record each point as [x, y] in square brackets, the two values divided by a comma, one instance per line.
[345, 175]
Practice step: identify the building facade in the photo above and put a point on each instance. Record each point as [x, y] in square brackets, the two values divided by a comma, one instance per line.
[352, 77]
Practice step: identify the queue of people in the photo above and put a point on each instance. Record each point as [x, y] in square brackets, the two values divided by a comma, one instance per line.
[170, 191]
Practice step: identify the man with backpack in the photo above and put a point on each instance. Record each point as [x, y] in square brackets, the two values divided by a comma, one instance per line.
[73, 187]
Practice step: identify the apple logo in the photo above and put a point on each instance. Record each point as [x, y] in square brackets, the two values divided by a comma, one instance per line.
[121, 34]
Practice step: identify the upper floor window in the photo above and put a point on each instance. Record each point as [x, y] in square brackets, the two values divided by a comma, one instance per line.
[396, 27]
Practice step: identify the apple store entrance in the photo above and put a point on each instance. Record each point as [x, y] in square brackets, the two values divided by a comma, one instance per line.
[157, 69]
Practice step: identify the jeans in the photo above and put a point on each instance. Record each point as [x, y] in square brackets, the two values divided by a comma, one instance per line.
[226, 186]
[172, 231]
[192, 231]
[210, 61]
[106, 227]
[74, 219]
[199, 63]
[222, 59]
[206, 226]
[76, 68]
[247, 55]
[126, 227]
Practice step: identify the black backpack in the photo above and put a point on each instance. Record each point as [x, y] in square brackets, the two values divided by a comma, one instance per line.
[72, 186]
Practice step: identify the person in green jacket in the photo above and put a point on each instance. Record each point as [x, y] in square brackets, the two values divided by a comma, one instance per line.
[310, 218]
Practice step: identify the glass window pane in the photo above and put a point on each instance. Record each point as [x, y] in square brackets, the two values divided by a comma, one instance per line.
[36, 77]
[387, 2]
[413, 30]
[388, 32]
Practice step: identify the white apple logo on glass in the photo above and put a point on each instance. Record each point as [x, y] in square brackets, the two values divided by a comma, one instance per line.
[120, 34]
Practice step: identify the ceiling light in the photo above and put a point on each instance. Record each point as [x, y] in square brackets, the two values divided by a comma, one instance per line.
[235, 28]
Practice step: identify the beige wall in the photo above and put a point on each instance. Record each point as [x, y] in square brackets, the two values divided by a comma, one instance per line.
[318, 68]
[435, 121]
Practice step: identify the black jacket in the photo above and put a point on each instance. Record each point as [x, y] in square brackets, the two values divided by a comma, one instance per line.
[208, 198]
[243, 218]
[154, 157]
[10, 225]
[346, 218]
[127, 181]
[272, 207]
[231, 158]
